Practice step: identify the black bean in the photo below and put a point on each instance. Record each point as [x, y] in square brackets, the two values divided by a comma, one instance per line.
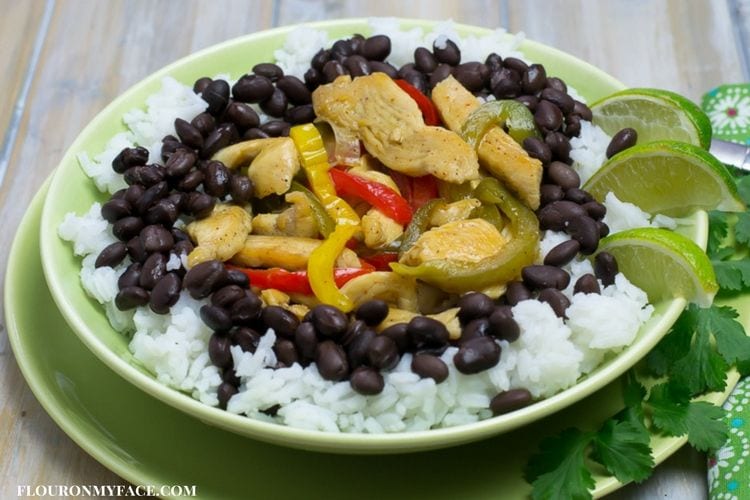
[399, 333]
[203, 278]
[515, 64]
[342, 48]
[557, 84]
[377, 48]
[313, 78]
[275, 128]
[219, 350]
[283, 322]
[276, 104]
[201, 84]
[204, 122]
[603, 229]
[156, 238]
[505, 83]
[596, 210]
[183, 247]
[446, 51]
[168, 146]
[129, 157]
[320, 58]
[329, 321]
[111, 255]
[242, 115]
[560, 99]
[220, 138]
[585, 230]
[550, 193]
[135, 249]
[269, 70]
[216, 182]
[472, 75]
[332, 70]
[247, 338]
[424, 61]
[586, 284]
[547, 116]
[572, 125]
[578, 196]
[372, 312]
[516, 292]
[494, 62]
[502, 325]
[246, 310]
[146, 175]
[582, 110]
[131, 297]
[306, 340]
[417, 80]
[216, 94]
[331, 361]
[300, 114]
[474, 305]
[230, 377]
[556, 299]
[563, 175]
[357, 66]
[286, 353]
[557, 214]
[164, 212]
[559, 145]
[538, 149]
[154, 268]
[252, 88]
[476, 355]
[507, 401]
[217, 318]
[188, 133]
[127, 227]
[562, 253]
[133, 194]
[533, 79]
[295, 89]
[529, 101]
[442, 72]
[383, 67]
[541, 276]
[180, 162]
[237, 277]
[115, 209]
[200, 204]
[227, 295]
[130, 276]
[426, 332]
[357, 343]
[429, 366]
[605, 268]
[475, 328]
[240, 188]
[165, 294]
[224, 393]
[621, 141]
[382, 353]
[367, 381]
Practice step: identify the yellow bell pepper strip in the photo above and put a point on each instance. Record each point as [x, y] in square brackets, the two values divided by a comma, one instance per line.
[505, 265]
[320, 266]
[509, 114]
[324, 221]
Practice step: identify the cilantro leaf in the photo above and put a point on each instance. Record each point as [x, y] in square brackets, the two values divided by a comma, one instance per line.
[675, 345]
[742, 228]
[675, 415]
[623, 449]
[731, 341]
[733, 275]
[703, 369]
[717, 230]
[633, 392]
[743, 187]
[558, 471]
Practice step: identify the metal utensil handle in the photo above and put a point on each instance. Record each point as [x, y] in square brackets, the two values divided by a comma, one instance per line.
[731, 153]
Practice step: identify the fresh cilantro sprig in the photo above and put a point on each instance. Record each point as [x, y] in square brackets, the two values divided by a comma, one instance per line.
[729, 236]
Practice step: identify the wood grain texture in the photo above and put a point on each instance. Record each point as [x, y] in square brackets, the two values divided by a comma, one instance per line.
[95, 49]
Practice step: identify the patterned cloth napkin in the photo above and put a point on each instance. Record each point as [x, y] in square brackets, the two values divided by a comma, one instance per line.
[728, 107]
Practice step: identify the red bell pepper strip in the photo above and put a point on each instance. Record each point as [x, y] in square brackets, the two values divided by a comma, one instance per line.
[380, 261]
[376, 194]
[426, 106]
[297, 281]
[423, 189]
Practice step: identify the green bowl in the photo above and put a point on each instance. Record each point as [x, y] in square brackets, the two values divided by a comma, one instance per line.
[71, 190]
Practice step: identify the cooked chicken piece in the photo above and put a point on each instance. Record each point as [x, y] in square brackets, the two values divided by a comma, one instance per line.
[288, 252]
[220, 235]
[458, 210]
[273, 297]
[297, 220]
[379, 229]
[462, 241]
[498, 152]
[367, 168]
[384, 285]
[449, 318]
[273, 163]
[389, 123]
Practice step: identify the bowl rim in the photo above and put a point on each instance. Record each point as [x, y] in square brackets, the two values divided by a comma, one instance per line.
[320, 440]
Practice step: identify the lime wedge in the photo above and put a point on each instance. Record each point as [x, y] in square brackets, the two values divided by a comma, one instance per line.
[655, 114]
[667, 177]
[664, 264]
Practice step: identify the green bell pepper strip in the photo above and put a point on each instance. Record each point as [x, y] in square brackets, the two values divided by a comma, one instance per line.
[324, 221]
[505, 265]
[509, 114]
[420, 222]
[490, 213]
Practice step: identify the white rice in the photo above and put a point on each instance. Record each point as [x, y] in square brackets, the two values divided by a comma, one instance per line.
[550, 355]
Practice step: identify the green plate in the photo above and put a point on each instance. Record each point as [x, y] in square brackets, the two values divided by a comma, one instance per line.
[148, 442]
[71, 190]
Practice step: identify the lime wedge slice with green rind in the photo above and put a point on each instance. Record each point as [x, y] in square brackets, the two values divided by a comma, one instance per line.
[667, 177]
[664, 264]
[655, 114]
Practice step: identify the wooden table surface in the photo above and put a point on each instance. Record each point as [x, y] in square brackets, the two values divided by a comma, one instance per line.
[63, 60]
